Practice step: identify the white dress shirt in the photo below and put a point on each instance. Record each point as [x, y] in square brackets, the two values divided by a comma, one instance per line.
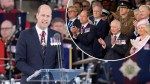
[39, 31]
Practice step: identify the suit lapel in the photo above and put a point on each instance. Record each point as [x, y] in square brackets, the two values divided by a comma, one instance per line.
[120, 37]
[99, 23]
[37, 42]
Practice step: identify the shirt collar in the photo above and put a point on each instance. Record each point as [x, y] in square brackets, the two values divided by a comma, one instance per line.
[73, 19]
[97, 20]
[84, 25]
[39, 31]
[117, 35]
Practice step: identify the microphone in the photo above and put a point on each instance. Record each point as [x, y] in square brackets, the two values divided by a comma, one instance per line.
[57, 39]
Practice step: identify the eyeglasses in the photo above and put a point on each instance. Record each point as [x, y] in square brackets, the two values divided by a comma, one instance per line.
[96, 11]
[84, 6]
[71, 11]
[6, 28]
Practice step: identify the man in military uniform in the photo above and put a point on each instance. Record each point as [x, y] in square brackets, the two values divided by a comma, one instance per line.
[125, 15]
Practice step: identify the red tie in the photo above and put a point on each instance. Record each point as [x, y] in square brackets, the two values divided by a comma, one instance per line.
[43, 38]
[43, 43]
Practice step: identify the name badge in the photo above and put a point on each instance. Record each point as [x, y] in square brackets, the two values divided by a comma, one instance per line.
[54, 41]
[121, 42]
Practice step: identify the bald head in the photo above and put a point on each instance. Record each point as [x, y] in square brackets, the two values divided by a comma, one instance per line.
[6, 29]
[43, 7]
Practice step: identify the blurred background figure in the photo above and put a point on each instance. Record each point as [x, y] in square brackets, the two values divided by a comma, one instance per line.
[144, 11]
[101, 29]
[7, 30]
[86, 5]
[58, 24]
[9, 11]
[8, 48]
[147, 2]
[125, 15]
[72, 20]
[137, 17]
[8, 6]
[143, 29]
[78, 5]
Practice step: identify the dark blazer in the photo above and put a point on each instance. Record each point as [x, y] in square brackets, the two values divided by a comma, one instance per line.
[75, 23]
[29, 56]
[101, 31]
[85, 40]
[117, 51]
[102, 28]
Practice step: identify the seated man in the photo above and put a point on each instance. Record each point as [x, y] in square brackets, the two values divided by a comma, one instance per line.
[116, 44]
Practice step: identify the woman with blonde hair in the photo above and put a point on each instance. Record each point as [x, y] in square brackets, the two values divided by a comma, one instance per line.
[140, 52]
[143, 29]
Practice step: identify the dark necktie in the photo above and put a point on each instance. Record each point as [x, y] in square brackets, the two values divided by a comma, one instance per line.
[113, 40]
[82, 30]
[95, 22]
[43, 42]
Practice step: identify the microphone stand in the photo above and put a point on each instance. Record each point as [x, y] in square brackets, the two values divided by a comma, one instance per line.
[8, 45]
[58, 45]
[59, 55]
[60, 61]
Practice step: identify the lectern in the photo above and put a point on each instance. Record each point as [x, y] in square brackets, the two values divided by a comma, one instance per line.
[48, 76]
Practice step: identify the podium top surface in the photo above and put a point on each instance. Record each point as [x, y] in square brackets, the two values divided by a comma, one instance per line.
[55, 75]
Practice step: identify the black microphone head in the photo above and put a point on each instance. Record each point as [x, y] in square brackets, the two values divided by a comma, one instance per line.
[57, 39]
[57, 36]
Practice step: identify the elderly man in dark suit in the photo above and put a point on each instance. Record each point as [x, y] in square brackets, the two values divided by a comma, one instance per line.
[84, 37]
[34, 50]
[116, 44]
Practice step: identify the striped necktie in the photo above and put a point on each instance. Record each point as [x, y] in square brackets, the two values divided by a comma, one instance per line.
[70, 24]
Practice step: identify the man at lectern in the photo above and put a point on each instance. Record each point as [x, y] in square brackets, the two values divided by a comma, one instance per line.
[34, 49]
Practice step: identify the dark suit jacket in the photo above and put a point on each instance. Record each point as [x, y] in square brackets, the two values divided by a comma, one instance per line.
[29, 56]
[75, 23]
[117, 51]
[101, 31]
[86, 39]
